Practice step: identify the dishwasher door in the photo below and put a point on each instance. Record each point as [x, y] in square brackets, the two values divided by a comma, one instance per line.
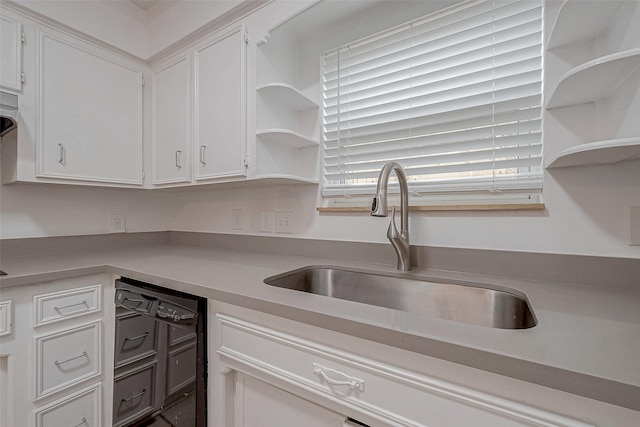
[160, 357]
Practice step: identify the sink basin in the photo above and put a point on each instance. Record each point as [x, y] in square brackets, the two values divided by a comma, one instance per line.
[476, 304]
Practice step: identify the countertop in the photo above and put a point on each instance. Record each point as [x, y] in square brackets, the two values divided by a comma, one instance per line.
[587, 340]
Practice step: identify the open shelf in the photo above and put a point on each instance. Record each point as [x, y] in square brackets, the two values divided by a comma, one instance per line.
[285, 94]
[286, 137]
[597, 153]
[578, 21]
[595, 80]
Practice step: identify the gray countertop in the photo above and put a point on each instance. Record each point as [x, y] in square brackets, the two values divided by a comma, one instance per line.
[587, 340]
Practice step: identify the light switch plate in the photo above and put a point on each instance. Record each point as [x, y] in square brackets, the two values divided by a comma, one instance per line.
[237, 219]
[284, 222]
[634, 225]
[117, 223]
[266, 221]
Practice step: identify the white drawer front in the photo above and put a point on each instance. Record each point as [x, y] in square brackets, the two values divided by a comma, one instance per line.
[392, 395]
[81, 409]
[66, 358]
[5, 317]
[66, 304]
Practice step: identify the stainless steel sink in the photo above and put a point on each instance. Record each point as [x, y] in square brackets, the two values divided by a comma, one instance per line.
[502, 308]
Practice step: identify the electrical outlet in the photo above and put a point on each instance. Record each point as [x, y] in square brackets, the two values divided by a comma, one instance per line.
[237, 219]
[266, 221]
[117, 223]
[284, 222]
[634, 225]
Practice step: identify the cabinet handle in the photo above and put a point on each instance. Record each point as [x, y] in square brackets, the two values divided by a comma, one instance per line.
[84, 421]
[334, 377]
[137, 338]
[178, 158]
[202, 150]
[84, 354]
[73, 305]
[61, 154]
[129, 399]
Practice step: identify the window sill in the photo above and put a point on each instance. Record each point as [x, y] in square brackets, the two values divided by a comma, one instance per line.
[479, 207]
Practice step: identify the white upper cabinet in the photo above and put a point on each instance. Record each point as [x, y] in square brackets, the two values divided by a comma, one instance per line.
[11, 51]
[172, 121]
[220, 92]
[90, 104]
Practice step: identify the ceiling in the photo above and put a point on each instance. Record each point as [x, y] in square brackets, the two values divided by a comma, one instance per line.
[144, 4]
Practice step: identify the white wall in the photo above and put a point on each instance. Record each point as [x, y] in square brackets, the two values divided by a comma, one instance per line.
[130, 28]
[169, 21]
[586, 213]
[586, 207]
[117, 22]
[34, 210]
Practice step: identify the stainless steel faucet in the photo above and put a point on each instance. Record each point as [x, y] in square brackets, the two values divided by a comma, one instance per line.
[399, 241]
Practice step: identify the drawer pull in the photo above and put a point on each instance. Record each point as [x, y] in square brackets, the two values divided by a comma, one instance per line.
[84, 354]
[84, 421]
[334, 377]
[73, 305]
[139, 337]
[129, 399]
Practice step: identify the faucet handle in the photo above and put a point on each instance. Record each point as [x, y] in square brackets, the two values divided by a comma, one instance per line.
[392, 232]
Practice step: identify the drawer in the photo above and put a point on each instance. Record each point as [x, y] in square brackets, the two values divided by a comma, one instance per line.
[56, 306]
[136, 338]
[81, 409]
[389, 394]
[5, 317]
[134, 394]
[66, 358]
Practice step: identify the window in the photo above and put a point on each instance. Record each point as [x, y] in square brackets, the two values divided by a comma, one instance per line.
[454, 97]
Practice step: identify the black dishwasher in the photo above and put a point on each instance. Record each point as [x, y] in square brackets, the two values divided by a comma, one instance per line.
[160, 357]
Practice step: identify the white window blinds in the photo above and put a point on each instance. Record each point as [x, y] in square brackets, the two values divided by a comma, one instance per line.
[454, 97]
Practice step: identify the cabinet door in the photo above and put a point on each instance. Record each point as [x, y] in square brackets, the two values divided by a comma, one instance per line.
[172, 122]
[260, 404]
[90, 113]
[11, 50]
[220, 106]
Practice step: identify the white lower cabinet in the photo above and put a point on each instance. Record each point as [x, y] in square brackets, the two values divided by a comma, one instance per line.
[268, 371]
[67, 357]
[257, 403]
[77, 410]
[55, 355]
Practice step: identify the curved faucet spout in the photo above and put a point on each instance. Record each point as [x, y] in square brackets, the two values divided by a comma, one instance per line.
[399, 241]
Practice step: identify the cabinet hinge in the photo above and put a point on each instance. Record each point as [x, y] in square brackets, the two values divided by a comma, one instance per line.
[246, 162]
[23, 38]
[143, 81]
[246, 38]
[23, 78]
